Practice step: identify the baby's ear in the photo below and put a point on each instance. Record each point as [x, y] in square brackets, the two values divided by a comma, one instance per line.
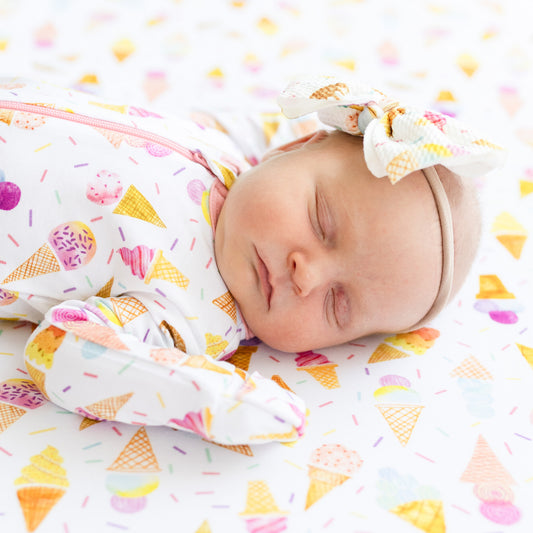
[298, 143]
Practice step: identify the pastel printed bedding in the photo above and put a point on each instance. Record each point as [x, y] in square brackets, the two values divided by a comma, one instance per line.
[425, 431]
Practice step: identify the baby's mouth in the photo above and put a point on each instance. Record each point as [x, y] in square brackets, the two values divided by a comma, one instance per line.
[262, 271]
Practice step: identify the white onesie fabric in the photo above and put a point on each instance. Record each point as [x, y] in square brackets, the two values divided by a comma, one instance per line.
[107, 243]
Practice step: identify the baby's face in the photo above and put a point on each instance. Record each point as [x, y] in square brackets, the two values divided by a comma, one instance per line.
[316, 251]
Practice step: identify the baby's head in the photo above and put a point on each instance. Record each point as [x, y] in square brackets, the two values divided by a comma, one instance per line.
[317, 251]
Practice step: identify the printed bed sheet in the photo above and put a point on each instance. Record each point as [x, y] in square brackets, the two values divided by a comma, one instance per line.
[425, 431]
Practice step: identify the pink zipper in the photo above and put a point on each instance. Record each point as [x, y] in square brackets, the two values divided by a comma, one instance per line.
[193, 155]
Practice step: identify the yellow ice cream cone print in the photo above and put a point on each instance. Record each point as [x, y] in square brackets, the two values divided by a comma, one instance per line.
[321, 482]
[490, 286]
[134, 204]
[259, 501]
[215, 345]
[41, 485]
[527, 352]
[510, 233]
[427, 515]
[164, 270]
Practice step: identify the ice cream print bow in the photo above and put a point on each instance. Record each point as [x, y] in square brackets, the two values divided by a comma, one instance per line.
[398, 139]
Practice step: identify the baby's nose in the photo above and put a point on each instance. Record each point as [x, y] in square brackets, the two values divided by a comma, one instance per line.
[306, 273]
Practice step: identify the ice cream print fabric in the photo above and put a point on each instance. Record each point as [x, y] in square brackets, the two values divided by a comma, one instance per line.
[107, 245]
[398, 139]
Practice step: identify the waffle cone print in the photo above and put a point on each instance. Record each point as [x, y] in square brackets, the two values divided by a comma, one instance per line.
[319, 367]
[227, 304]
[399, 404]
[527, 352]
[405, 497]
[9, 414]
[128, 308]
[242, 356]
[427, 515]
[164, 270]
[70, 246]
[475, 382]
[329, 467]
[40, 486]
[134, 204]
[107, 409]
[492, 485]
[133, 474]
[262, 514]
[417, 341]
[510, 233]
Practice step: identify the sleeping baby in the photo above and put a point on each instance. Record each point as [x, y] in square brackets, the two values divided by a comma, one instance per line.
[147, 249]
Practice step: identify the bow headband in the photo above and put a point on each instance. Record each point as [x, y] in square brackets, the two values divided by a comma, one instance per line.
[398, 139]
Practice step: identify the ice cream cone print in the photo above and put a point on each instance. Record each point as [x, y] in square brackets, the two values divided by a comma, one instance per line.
[325, 374]
[401, 419]
[164, 270]
[490, 286]
[527, 353]
[123, 48]
[9, 414]
[510, 233]
[242, 356]
[36, 502]
[204, 528]
[513, 243]
[278, 379]
[384, 352]
[128, 308]
[6, 115]
[177, 339]
[215, 345]
[471, 368]
[320, 483]
[137, 455]
[107, 409]
[41, 262]
[427, 515]
[526, 187]
[87, 422]
[105, 291]
[44, 345]
[38, 377]
[270, 123]
[227, 304]
[329, 467]
[484, 467]
[134, 204]
[401, 165]
[417, 341]
[260, 502]
[243, 449]
[41, 485]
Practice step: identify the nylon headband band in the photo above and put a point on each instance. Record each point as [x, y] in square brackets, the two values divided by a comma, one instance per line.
[446, 228]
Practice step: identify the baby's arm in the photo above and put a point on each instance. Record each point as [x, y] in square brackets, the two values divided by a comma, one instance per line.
[84, 359]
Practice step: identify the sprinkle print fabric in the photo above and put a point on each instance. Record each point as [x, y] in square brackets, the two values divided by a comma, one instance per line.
[113, 257]
[425, 431]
